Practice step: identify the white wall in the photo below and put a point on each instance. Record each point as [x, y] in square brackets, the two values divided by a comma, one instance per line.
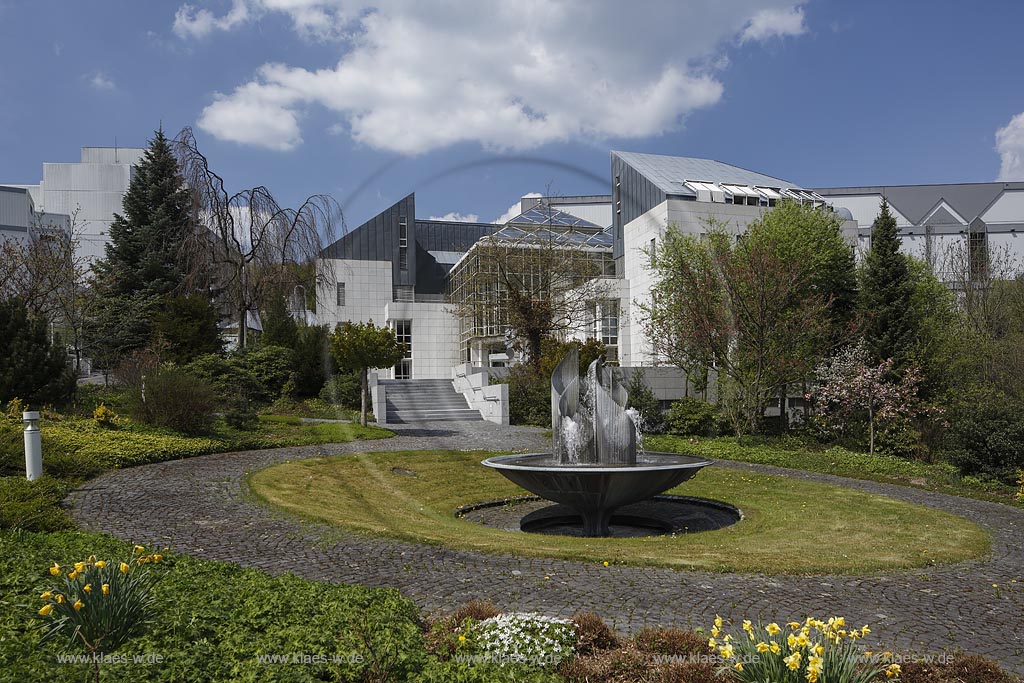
[598, 214]
[367, 292]
[1009, 208]
[435, 338]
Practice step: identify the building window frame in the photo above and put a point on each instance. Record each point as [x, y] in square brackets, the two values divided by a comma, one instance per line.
[340, 294]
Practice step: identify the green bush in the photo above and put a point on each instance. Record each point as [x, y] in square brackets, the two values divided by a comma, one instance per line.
[343, 390]
[270, 367]
[173, 399]
[31, 366]
[643, 400]
[986, 434]
[689, 416]
[313, 362]
[32, 505]
[529, 397]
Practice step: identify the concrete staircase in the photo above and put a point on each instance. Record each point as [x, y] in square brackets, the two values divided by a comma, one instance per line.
[425, 400]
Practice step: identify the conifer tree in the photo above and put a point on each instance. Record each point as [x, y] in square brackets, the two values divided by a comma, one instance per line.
[891, 320]
[31, 367]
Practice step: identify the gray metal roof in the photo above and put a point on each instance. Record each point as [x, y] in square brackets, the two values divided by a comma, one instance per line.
[970, 200]
[669, 173]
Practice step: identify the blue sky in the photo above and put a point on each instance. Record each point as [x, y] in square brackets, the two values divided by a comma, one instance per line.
[369, 100]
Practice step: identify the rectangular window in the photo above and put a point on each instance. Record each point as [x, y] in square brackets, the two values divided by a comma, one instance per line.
[403, 332]
[608, 328]
[341, 293]
[977, 251]
[403, 243]
[405, 293]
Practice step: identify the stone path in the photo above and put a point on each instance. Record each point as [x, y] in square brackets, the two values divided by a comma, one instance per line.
[200, 507]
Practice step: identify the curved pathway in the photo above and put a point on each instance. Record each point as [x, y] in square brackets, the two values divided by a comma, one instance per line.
[200, 506]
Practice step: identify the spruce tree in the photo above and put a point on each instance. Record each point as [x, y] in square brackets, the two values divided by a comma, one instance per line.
[31, 367]
[891, 320]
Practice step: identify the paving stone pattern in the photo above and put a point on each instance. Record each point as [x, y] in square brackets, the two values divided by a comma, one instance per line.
[200, 506]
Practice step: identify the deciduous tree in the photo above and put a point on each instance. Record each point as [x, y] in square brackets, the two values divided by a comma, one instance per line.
[359, 347]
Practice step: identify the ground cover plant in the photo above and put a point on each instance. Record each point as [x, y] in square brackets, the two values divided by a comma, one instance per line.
[784, 518]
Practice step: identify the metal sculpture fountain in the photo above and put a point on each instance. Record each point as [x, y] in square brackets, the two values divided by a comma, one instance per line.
[594, 467]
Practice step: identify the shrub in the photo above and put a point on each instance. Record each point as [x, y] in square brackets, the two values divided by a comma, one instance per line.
[593, 634]
[32, 505]
[173, 399]
[242, 417]
[670, 641]
[342, 389]
[529, 397]
[962, 669]
[313, 362]
[270, 367]
[986, 434]
[643, 400]
[689, 416]
[104, 416]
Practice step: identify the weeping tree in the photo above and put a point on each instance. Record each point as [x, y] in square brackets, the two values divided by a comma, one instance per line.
[249, 248]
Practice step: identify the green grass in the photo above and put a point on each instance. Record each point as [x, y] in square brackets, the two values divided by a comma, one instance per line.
[798, 454]
[790, 526]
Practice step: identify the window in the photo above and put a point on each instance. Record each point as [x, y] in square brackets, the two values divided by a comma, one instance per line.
[977, 250]
[403, 243]
[341, 293]
[404, 293]
[403, 332]
[618, 197]
[607, 331]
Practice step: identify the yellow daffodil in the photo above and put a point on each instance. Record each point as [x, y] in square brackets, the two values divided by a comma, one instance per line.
[605, 563]
[762, 647]
[712, 643]
[738, 666]
[726, 651]
[87, 588]
[46, 609]
[802, 640]
[819, 650]
[718, 621]
[864, 631]
[775, 648]
[139, 549]
[727, 637]
[893, 670]
[124, 568]
[791, 641]
[854, 635]
[772, 629]
[73, 575]
[887, 655]
[747, 625]
[462, 639]
[79, 567]
[59, 598]
[158, 558]
[812, 676]
[106, 589]
[46, 595]
[78, 605]
[55, 570]
[793, 661]
[840, 622]
[815, 662]
[101, 564]
[793, 625]
[92, 559]
[715, 631]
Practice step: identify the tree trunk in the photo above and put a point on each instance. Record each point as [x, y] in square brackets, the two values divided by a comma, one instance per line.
[362, 396]
[533, 342]
[783, 413]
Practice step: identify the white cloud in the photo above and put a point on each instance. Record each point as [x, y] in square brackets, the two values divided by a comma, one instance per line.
[190, 22]
[506, 74]
[772, 22]
[515, 209]
[1010, 145]
[457, 217]
[100, 81]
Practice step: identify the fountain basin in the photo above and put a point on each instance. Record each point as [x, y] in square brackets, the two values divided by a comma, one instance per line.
[596, 491]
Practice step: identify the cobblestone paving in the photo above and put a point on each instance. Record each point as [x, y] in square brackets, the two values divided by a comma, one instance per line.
[200, 507]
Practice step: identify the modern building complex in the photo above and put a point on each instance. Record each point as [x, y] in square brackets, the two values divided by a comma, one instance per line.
[935, 220]
[21, 220]
[409, 273]
[88, 193]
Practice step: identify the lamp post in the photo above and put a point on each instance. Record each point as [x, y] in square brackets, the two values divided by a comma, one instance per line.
[33, 446]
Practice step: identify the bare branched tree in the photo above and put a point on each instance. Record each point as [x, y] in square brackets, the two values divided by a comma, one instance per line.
[535, 281]
[246, 247]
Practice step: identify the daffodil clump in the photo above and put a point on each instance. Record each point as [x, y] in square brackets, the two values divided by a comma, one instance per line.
[1020, 482]
[811, 651]
[97, 605]
[523, 639]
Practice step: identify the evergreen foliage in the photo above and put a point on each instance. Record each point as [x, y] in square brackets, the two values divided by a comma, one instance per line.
[279, 328]
[189, 326]
[643, 400]
[31, 367]
[891, 320]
